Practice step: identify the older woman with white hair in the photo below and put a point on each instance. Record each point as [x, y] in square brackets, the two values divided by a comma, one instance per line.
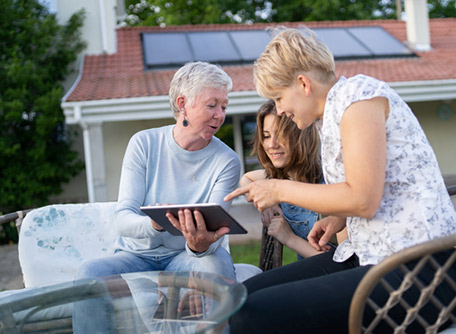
[175, 164]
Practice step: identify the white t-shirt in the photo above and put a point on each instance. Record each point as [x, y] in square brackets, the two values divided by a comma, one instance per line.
[415, 206]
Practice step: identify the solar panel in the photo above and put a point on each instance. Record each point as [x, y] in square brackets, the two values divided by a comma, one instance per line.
[341, 43]
[166, 49]
[244, 46]
[380, 42]
[250, 43]
[215, 47]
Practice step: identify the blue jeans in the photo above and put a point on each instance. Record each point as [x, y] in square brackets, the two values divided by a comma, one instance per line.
[97, 315]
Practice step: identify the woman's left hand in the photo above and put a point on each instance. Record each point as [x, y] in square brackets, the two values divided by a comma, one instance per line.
[197, 236]
[263, 193]
[279, 229]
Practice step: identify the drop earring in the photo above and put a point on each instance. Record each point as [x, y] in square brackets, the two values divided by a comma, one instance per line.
[185, 122]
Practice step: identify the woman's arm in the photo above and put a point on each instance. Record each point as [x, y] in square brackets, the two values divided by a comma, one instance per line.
[252, 176]
[129, 221]
[279, 229]
[363, 136]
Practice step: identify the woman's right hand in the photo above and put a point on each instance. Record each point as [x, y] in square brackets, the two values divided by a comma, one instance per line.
[155, 225]
[323, 230]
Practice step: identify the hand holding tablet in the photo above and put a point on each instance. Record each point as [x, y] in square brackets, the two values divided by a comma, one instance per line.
[214, 215]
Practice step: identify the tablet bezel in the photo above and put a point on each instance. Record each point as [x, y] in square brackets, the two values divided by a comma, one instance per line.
[215, 216]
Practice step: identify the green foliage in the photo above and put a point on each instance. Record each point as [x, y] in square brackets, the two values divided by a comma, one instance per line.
[226, 134]
[163, 12]
[250, 253]
[35, 148]
[8, 233]
[442, 8]
[166, 12]
[323, 10]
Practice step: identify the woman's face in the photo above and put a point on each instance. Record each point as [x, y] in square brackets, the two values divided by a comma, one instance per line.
[295, 104]
[207, 113]
[277, 151]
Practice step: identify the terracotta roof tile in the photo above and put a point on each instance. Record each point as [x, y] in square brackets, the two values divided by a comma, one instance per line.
[122, 74]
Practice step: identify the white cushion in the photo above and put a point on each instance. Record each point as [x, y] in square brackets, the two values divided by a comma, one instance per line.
[55, 239]
[244, 271]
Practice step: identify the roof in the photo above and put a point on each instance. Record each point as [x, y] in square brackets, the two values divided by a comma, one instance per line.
[122, 75]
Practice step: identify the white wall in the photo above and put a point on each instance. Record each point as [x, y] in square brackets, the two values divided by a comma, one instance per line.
[76, 190]
[115, 137]
[99, 25]
[441, 134]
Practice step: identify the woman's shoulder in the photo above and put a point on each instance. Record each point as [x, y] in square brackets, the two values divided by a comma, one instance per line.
[362, 82]
[357, 88]
[144, 139]
[152, 132]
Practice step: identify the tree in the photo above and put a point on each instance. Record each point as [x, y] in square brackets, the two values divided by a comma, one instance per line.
[35, 149]
[442, 8]
[323, 10]
[166, 12]
[163, 12]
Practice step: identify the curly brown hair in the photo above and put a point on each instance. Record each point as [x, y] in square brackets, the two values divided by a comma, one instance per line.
[305, 163]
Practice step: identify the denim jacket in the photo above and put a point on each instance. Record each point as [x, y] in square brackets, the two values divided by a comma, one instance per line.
[300, 220]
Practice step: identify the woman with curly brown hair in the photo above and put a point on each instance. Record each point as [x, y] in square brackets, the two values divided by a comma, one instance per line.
[286, 152]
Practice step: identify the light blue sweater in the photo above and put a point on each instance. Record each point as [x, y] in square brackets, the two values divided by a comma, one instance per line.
[156, 170]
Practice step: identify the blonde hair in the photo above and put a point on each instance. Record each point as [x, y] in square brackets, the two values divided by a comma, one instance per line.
[192, 78]
[289, 53]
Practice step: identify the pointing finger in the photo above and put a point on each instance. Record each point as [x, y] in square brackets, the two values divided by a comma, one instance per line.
[237, 192]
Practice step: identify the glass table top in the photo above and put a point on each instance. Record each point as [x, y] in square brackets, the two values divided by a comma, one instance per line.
[143, 302]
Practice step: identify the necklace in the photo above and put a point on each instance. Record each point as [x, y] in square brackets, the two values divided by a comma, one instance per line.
[194, 172]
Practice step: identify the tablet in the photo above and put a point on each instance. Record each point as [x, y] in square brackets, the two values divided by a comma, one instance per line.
[214, 215]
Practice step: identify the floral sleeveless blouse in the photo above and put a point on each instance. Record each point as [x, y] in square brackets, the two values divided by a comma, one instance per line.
[415, 206]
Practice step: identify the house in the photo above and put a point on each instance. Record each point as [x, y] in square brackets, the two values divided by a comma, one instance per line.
[120, 91]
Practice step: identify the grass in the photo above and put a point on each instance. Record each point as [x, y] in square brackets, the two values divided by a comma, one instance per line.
[250, 253]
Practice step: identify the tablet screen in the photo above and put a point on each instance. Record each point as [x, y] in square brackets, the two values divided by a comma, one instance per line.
[214, 215]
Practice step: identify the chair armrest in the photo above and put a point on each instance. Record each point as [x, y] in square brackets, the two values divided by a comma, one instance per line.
[17, 216]
[375, 275]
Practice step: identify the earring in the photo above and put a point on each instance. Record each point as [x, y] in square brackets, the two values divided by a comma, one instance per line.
[185, 122]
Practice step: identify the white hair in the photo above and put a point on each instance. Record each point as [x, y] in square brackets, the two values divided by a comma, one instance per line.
[192, 78]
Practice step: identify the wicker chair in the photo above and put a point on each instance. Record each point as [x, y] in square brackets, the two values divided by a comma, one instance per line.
[422, 255]
[271, 251]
